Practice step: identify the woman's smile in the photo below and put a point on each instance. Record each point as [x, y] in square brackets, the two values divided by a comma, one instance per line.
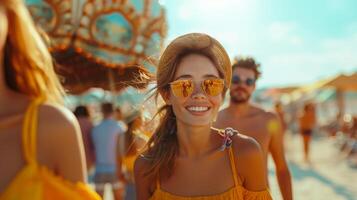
[198, 110]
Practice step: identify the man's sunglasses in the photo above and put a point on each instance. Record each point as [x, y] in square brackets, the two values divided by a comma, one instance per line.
[238, 80]
[185, 87]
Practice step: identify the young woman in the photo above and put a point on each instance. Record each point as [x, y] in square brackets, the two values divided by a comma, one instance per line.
[40, 140]
[186, 158]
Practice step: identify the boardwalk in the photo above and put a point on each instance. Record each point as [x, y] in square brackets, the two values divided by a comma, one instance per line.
[328, 177]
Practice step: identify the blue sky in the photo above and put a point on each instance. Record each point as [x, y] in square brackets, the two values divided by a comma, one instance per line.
[296, 42]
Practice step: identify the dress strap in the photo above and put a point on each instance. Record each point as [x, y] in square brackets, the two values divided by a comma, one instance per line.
[237, 181]
[29, 131]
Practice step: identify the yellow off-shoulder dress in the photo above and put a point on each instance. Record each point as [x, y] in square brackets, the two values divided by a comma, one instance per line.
[238, 192]
[36, 182]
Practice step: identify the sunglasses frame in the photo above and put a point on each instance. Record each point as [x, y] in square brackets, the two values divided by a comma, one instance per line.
[246, 82]
[193, 83]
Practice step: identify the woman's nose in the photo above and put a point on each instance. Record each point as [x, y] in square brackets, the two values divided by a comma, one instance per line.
[198, 92]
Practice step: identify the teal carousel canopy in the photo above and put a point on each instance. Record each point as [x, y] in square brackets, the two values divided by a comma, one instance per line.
[102, 43]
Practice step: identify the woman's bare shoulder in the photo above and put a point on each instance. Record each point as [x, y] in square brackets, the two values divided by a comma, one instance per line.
[56, 121]
[56, 118]
[141, 163]
[60, 141]
[250, 164]
[145, 185]
[245, 145]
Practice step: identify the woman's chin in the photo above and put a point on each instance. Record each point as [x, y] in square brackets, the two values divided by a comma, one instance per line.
[197, 123]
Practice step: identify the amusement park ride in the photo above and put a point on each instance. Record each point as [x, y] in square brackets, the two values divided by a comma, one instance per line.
[108, 44]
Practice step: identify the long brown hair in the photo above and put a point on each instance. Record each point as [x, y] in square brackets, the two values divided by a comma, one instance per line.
[27, 63]
[133, 126]
[163, 146]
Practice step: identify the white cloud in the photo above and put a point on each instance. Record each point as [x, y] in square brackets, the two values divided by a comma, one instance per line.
[342, 51]
[347, 43]
[333, 56]
[296, 40]
[162, 2]
[336, 5]
[285, 32]
[280, 30]
[215, 9]
[288, 53]
[352, 28]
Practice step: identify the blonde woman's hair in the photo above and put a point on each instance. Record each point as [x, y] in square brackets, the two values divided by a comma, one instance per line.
[28, 63]
[163, 147]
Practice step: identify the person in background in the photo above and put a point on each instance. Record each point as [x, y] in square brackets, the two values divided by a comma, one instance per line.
[119, 117]
[105, 138]
[186, 158]
[253, 121]
[307, 121]
[280, 112]
[131, 145]
[41, 148]
[352, 146]
[86, 125]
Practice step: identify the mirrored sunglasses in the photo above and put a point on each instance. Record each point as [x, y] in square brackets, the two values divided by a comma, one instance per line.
[185, 87]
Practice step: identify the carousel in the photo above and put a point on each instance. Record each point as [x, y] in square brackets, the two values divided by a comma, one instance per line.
[108, 44]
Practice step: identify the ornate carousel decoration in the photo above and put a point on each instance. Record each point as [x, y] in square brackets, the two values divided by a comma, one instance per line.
[109, 44]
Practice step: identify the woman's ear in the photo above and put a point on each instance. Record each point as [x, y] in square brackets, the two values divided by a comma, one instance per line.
[166, 96]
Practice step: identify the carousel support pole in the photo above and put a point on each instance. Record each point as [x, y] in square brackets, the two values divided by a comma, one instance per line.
[112, 85]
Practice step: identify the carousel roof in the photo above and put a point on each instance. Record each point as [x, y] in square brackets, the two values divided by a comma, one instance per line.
[96, 42]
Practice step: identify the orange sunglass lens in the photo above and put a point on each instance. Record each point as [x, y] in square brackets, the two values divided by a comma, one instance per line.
[213, 87]
[182, 88]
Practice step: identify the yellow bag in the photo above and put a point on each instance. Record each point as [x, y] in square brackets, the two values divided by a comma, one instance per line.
[36, 182]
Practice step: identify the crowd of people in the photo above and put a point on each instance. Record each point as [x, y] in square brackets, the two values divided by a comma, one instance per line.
[111, 147]
[345, 133]
[342, 129]
[51, 153]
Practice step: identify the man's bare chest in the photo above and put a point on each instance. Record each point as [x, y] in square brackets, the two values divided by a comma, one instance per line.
[256, 128]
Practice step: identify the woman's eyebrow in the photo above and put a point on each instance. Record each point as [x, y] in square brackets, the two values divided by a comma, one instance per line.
[183, 76]
[186, 76]
[210, 76]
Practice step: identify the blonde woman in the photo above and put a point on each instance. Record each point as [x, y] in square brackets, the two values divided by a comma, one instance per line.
[41, 152]
[186, 158]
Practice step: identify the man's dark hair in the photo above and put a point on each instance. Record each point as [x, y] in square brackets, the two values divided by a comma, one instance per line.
[107, 108]
[81, 111]
[247, 63]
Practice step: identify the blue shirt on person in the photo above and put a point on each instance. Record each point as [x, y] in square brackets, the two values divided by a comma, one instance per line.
[105, 139]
